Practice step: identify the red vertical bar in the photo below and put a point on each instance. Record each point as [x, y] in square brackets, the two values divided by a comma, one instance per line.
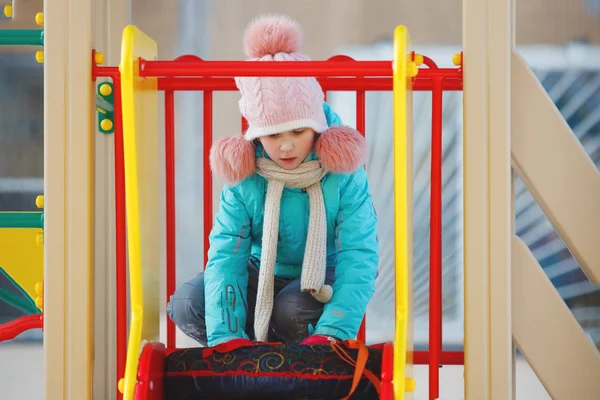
[435, 249]
[120, 234]
[387, 371]
[360, 111]
[244, 124]
[360, 126]
[170, 204]
[208, 192]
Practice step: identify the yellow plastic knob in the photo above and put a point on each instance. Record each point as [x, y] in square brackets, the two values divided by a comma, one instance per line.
[8, 10]
[412, 69]
[99, 58]
[39, 288]
[411, 385]
[457, 59]
[121, 385]
[39, 239]
[419, 59]
[106, 124]
[39, 56]
[39, 18]
[39, 302]
[39, 201]
[105, 89]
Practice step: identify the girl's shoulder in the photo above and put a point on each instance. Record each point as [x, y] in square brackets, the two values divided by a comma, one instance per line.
[341, 181]
[250, 191]
[343, 178]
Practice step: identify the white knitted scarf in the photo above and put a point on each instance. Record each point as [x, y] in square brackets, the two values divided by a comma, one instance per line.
[307, 176]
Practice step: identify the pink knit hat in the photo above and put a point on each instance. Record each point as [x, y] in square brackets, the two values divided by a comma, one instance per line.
[278, 104]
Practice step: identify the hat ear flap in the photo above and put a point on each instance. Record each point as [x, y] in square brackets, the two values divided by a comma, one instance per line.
[232, 159]
[341, 149]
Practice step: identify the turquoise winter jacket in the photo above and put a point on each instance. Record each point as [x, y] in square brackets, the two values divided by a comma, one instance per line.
[352, 249]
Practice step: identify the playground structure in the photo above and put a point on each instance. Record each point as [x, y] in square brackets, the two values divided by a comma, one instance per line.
[491, 323]
[21, 233]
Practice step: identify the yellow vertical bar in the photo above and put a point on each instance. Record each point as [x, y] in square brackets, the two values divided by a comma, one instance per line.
[403, 70]
[140, 110]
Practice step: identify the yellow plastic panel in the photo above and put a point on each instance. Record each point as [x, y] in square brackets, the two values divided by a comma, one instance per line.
[22, 258]
[404, 69]
[140, 140]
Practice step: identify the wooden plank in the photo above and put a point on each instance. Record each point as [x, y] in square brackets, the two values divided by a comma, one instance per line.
[560, 353]
[556, 169]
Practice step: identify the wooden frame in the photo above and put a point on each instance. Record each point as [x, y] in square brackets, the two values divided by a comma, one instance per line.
[507, 118]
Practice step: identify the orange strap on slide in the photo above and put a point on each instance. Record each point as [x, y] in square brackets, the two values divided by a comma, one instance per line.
[360, 363]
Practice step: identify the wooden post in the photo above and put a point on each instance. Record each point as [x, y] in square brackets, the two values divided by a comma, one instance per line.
[69, 200]
[488, 41]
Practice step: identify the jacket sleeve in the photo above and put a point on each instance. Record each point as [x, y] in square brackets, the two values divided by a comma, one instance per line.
[226, 275]
[357, 260]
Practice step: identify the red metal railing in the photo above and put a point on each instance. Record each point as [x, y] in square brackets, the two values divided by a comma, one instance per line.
[421, 84]
[435, 238]
[120, 233]
[340, 73]
[12, 329]
[120, 220]
[170, 203]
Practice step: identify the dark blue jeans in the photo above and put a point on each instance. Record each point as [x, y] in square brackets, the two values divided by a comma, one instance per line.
[293, 310]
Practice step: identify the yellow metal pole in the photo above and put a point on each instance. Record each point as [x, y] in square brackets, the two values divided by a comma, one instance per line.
[139, 103]
[404, 69]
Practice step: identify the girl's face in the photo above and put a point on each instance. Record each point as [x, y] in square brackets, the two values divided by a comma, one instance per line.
[289, 149]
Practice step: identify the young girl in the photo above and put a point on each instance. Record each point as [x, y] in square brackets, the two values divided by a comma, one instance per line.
[293, 253]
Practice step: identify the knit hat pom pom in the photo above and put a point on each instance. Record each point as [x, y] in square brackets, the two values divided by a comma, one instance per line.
[341, 149]
[271, 35]
[232, 159]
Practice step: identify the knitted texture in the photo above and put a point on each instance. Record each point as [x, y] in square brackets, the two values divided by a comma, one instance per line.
[278, 104]
[308, 175]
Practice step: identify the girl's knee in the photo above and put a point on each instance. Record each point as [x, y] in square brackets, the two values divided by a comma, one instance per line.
[293, 312]
[186, 309]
